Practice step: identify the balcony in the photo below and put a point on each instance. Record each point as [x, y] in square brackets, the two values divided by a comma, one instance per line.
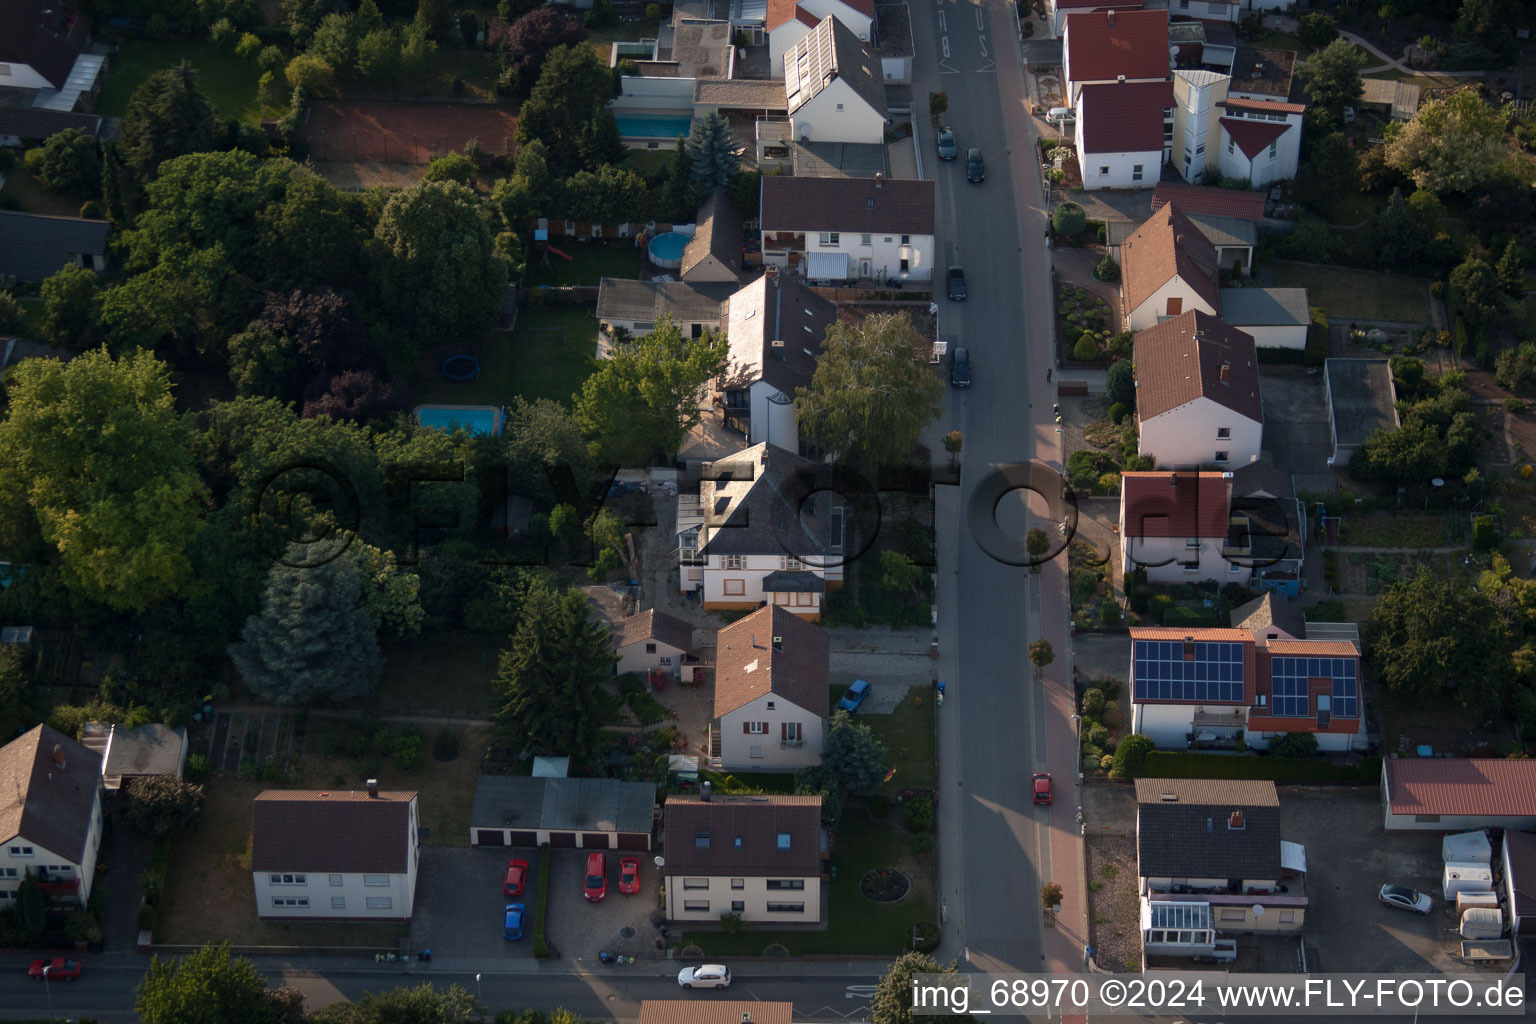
[791, 744]
[1226, 718]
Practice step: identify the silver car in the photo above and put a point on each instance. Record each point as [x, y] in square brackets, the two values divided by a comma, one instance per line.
[1404, 898]
[705, 976]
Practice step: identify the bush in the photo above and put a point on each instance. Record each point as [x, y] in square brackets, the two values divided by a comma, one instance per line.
[1132, 756]
[1097, 736]
[196, 768]
[541, 908]
[248, 47]
[938, 103]
[445, 745]
[879, 805]
[1087, 348]
[1093, 703]
[653, 12]
[1318, 29]
[1294, 744]
[918, 814]
[1119, 411]
[920, 843]
[1484, 534]
[1170, 764]
[1109, 613]
[1108, 269]
[410, 753]
[1515, 405]
[1069, 219]
[10, 313]
[1108, 484]
[90, 210]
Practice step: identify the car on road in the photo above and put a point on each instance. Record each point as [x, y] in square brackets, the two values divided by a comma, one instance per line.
[517, 877]
[975, 166]
[596, 886]
[705, 976]
[854, 696]
[512, 926]
[947, 148]
[1042, 785]
[629, 875]
[960, 368]
[56, 969]
[957, 284]
[1404, 898]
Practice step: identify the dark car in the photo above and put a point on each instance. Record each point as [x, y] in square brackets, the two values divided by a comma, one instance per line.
[975, 166]
[947, 148]
[956, 284]
[960, 368]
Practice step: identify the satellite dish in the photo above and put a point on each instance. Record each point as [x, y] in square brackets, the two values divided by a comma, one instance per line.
[1258, 910]
[659, 861]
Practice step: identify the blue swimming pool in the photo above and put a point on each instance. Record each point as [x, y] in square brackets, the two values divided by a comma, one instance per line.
[653, 126]
[477, 419]
[666, 249]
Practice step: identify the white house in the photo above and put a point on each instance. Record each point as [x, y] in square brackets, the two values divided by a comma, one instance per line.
[1235, 127]
[1060, 9]
[843, 229]
[50, 815]
[1197, 393]
[1180, 528]
[833, 87]
[1169, 268]
[649, 641]
[756, 856]
[40, 40]
[1273, 317]
[1452, 794]
[775, 327]
[758, 531]
[788, 22]
[1207, 10]
[1120, 133]
[335, 855]
[770, 693]
[1261, 140]
[1113, 46]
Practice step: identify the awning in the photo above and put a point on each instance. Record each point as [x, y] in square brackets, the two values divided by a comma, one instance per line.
[827, 266]
[1293, 857]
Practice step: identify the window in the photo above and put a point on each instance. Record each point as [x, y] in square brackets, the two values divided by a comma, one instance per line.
[1222, 433]
[336, 880]
[696, 906]
[1103, 171]
[1183, 5]
[288, 879]
[839, 106]
[757, 728]
[793, 732]
[21, 851]
[786, 908]
[379, 903]
[665, 659]
[735, 588]
[1274, 149]
[866, 239]
[783, 840]
[1287, 917]
[695, 883]
[738, 883]
[375, 879]
[10, 872]
[1175, 305]
[804, 599]
[1232, 914]
[770, 705]
[781, 884]
[734, 562]
[904, 265]
[738, 842]
[1192, 543]
[1426, 819]
[789, 563]
[756, 752]
[338, 903]
[1233, 567]
[701, 840]
[830, 237]
[1231, 148]
[738, 906]
[906, 239]
[1200, 149]
[1136, 172]
[290, 901]
[1221, 455]
[688, 547]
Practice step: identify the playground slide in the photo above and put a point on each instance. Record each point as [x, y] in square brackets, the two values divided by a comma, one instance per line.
[562, 255]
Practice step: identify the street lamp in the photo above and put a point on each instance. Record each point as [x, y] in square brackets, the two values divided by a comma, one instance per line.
[1077, 725]
[47, 970]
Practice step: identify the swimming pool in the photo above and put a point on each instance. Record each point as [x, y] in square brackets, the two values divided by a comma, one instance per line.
[667, 249]
[477, 419]
[653, 126]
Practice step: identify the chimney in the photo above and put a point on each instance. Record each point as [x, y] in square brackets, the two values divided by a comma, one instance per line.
[778, 643]
[1173, 480]
[771, 271]
[1121, 79]
[1258, 68]
[1112, 25]
[1226, 374]
[1235, 822]
[1189, 648]
[373, 789]
[879, 179]
[746, 1017]
[58, 754]
[704, 792]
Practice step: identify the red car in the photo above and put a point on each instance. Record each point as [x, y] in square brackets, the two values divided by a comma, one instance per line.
[596, 886]
[629, 875]
[1043, 788]
[517, 874]
[58, 969]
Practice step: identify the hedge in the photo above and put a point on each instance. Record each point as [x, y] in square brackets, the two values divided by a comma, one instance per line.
[1180, 615]
[541, 911]
[1175, 764]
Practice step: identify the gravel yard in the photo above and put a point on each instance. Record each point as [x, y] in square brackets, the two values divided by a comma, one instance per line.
[1114, 930]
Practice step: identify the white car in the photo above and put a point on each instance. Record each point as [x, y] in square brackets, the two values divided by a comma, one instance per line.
[707, 976]
[1404, 898]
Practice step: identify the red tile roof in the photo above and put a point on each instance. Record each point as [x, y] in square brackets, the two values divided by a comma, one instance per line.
[1253, 136]
[781, 12]
[1124, 118]
[1135, 45]
[653, 625]
[1267, 106]
[332, 830]
[1163, 504]
[1203, 634]
[1168, 244]
[1260, 722]
[902, 206]
[1217, 202]
[1313, 648]
[748, 664]
[1462, 786]
[1182, 359]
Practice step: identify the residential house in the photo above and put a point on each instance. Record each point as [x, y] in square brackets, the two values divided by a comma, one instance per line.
[637, 306]
[713, 254]
[34, 246]
[841, 229]
[1362, 399]
[1060, 9]
[137, 753]
[833, 87]
[1207, 688]
[1520, 881]
[775, 327]
[758, 532]
[756, 856]
[1181, 528]
[335, 855]
[651, 641]
[789, 21]
[1208, 10]
[1169, 268]
[770, 693]
[1216, 202]
[1273, 317]
[1197, 393]
[1112, 47]
[1121, 141]
[1233, 238]
[21, 127]
[1453, 794]
[714, 1011]
[50, 815]
[45, 50]
[1238, 125]
[565, 813]
[1271, 617]
[1211, 861]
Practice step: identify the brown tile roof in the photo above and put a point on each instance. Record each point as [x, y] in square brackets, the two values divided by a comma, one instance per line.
[776, 308]
[331, 830]
[1466, 786]
[653, 625]
[1193, 355]
[1313, 648]
[1520, 871]
[1252, 136]
[1267, 106]
[1169, 244]
[847, 204]
[719, 234]
[749, 664]
[1164, 504]
[1190, 836]
[47, 37]
[1219, 202]
[47, 804]
[1135, 45]
[1124, 118]
[698, 1011]
[1271, 610]
[1206, 634]
[830, 51]
[742, 835]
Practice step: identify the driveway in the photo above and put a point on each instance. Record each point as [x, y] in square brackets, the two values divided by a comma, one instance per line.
[1296, 427]
[458, 913]
[579, 930]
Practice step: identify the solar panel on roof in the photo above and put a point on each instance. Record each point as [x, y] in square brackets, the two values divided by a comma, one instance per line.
[1289, 678]
[1214, 674]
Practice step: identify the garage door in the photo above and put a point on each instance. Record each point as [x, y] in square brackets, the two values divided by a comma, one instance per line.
[634, 841]
[595, 841]
[522, 839]
[563, 840]
[489, 837]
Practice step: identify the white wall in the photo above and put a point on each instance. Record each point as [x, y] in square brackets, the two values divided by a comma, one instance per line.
[1155, 308]
[857, 121]
[1166, 725]
[1118, 170]
[45, 859]
[1186, 437]
[884, 253]
[754, 893]
[772, 422]
[642, 92]
[1277, 336]
[632, 657]
[1150, 551]
[1263, 169]
[1335, 742]
[858, 22]
[754, 568]
[1205, 10]
[1196, 122]
[320, 887]
[736, 747]
[22, 76]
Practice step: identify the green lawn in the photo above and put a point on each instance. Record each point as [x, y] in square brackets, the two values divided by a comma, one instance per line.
[907, 734]
[1273, 40]
[1394, 530]
[547, 356]
[589, 263]
[228, 81]
[34, 198]
[475, 68]
[1358, 294]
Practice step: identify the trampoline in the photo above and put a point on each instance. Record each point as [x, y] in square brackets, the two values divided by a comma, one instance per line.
[461, 367]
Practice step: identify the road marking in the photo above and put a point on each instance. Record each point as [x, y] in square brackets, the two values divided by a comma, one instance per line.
[943, 27]
[982, 42]
[981, 22]
[944, 45]
[946, 69]
[860, 992]
[989, 68]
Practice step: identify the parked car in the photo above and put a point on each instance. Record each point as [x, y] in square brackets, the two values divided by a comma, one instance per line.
[706, 976]
[956, 284]
[517, 877]
[1404, 898]
[960, 368]
[1042, 781]
[596, 886]
[854, 697]
[975, 166]
[512, 927]
[629, 875]
[56, 969]
[947, 147]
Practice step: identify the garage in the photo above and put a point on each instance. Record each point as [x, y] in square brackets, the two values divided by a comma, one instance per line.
[596, 841]
[634, 841]
[490, 837]
[591, 814]
[562, 840]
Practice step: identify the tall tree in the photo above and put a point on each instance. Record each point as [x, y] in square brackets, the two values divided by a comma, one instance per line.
[358, 396]
[416, 1004]
[159, 806]
[568, 111]
[167, 117]
[1478, 294]
[1452, 144]
[313, 639]
[101, 454]
[1402, 240]
[1430, 633]
[208, 986]
[550, 679]
[1122, 383]
[544, 442]
[69, 163]
[112, 186]
[312, 235]
[892, 1001]
[1491, 24]
[609, 195]
[391, 596]
[642, 401]
[69, 305]
[712, 154]
[1511, 270]
[1332, 79]
[15, 692]
[871, 396]
[856, 759]
[526, 44]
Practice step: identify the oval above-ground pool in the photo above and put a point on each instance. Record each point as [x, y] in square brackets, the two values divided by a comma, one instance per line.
[477, 419]
[666, 249]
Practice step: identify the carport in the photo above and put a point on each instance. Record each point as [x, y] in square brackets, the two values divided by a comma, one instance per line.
[587, 814]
